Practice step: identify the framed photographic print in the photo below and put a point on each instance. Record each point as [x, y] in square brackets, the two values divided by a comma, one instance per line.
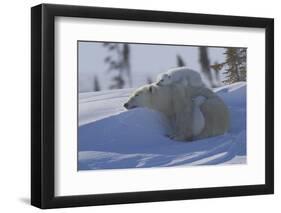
[140, 106]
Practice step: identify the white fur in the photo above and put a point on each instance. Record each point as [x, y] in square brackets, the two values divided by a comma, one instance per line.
[198, 117]
[194, 112]
[180, 75]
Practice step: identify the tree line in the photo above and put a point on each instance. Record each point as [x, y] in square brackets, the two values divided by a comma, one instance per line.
[233, 69]
[235, 66]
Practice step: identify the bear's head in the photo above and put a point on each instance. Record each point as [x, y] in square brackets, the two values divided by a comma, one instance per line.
[142, 97]
[164, 80]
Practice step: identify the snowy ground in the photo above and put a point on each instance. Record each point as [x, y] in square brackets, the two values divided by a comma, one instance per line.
[111, 137]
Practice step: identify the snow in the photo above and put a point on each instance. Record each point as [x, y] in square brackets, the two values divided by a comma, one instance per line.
[111, 137]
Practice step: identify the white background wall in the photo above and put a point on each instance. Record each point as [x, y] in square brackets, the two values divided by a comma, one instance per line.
[15, 105]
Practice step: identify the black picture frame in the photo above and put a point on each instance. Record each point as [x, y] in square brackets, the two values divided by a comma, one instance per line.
[43, 102]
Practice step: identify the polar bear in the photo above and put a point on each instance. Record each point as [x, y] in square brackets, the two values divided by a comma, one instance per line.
[176, 102]
[197, 115]
[180, 75]
[215, 111]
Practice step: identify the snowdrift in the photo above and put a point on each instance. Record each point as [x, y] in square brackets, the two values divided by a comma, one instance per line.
[109, 137]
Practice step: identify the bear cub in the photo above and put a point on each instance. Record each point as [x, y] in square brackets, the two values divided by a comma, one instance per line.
[180, 75]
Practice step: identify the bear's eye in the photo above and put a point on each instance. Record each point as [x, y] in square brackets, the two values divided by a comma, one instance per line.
[162, 80]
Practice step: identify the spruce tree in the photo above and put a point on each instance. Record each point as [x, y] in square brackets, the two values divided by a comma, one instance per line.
[119, 63]
[126, 62]
[96, 84]
[235, 65]
[231, 70]
[242, 52]
[180, 61]
[205, 64]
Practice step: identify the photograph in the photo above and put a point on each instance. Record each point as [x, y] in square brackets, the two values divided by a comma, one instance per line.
[146, 105]
[139, 105]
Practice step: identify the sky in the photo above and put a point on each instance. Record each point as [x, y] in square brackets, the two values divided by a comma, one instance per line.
[147, 60]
